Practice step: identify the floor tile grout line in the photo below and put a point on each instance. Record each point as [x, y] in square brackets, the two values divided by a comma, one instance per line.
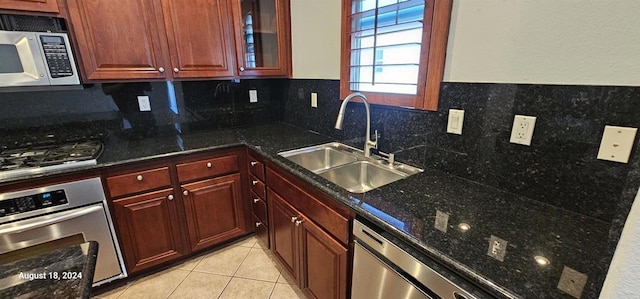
[185, 278]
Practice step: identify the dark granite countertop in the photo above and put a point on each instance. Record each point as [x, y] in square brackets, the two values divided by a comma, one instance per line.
[62, 273]
[407, 209]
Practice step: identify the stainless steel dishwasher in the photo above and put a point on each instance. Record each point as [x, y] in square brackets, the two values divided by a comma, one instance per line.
[382, 270]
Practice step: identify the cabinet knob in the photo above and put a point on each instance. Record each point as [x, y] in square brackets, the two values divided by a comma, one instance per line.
[161, 69]
[256, 200]
[170, 197]
[294, 218]
[176, 70]
[209, 165]
[254, 163]
[139, 177]
[258, 224]
[185, 192]
[242, 69]
[254, 182]
[298, 222]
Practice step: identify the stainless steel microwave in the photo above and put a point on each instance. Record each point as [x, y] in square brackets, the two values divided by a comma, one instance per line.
[36, 59]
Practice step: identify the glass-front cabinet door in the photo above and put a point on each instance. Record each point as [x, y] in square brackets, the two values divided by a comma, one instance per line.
[263, 37]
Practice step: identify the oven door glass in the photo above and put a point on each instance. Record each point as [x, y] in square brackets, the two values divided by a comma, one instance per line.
[32, 236]
[21, 62]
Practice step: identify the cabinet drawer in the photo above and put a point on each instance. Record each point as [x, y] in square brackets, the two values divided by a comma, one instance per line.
[257, 186]
[256, 167]
[261, 230]
[329, 219]
[207, 168]
[259, 207]
[138, 181]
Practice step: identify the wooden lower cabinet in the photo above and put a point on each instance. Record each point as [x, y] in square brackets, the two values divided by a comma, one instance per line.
[284, 243]
[149, 229]
[317, 261]
[31, 5]
[323, 263]
[214, 210]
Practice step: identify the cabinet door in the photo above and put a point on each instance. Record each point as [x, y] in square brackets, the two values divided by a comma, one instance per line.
[118, 39]
[214, 210]
[198, 53]
[149, 230]
[31, 5]
[324, 263]
[262, 37]
[283, 233]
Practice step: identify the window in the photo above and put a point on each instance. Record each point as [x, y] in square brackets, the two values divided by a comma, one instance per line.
[393, 50]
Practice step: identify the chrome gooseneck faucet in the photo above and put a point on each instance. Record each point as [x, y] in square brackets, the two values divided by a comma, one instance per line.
[368, 143]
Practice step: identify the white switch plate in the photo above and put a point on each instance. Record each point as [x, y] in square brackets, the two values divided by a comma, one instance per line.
[143, 103]
[617, 143]
[456, 119]
[253, 96]
[522, 130]
[314, 100]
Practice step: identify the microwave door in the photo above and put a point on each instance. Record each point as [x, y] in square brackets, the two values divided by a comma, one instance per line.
[21, 63]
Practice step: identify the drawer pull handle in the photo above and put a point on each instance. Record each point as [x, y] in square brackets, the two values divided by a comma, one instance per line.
[254, 163]
[293, 219]
[298, 222]
[170, 197]
[258, 224]
[254, 182]
[256, 200]
[185, 192]
[209, 165]
[139, 177]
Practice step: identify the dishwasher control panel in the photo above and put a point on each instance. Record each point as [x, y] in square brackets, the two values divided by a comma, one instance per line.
[32, 202]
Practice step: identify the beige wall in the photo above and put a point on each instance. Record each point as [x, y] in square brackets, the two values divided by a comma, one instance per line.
[554, 41]
[315, 37]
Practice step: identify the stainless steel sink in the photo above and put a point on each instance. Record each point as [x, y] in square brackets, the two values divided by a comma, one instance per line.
[348, 168]
[320, 157]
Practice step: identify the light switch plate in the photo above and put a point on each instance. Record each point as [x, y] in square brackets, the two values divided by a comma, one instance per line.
[314, 100]
[253, 96]
[456, 119]
[617, 143]
[143, 103]
[442, 221]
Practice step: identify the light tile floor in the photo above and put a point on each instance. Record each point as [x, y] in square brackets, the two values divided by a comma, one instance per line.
[243, 269]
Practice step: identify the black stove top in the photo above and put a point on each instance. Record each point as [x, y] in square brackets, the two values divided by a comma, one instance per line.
[38, 151]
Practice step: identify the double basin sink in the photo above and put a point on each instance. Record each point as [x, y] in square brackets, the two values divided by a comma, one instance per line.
[348, 168]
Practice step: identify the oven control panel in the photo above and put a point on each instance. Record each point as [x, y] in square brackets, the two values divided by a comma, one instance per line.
[32, 202]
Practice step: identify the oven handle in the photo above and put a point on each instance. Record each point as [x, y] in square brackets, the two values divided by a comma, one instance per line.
[35, 223]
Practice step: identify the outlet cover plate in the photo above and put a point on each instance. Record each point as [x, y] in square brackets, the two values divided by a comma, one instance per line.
[617, 143]
[497, 248]
[314, 100]
[522, 130]
[442, 221]
[456, 119]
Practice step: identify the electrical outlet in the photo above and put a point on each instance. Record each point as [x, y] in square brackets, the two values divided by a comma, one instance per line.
[572, 282]
[253, 96]
[442, 221]
[497, 248]
[617, 143]
[143, 103]
[522, 130]
[314, 100]
[456, 119]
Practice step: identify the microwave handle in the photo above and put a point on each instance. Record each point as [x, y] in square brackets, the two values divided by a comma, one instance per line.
[36, 223]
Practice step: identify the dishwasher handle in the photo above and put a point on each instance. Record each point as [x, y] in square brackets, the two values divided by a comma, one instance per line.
[367, 236]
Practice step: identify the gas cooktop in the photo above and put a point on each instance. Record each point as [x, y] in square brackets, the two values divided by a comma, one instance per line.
[39, 153]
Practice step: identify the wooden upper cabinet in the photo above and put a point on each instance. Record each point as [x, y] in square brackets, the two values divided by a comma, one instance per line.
[263, 37]
[200, 38]
[118, 39]
[31, 5]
